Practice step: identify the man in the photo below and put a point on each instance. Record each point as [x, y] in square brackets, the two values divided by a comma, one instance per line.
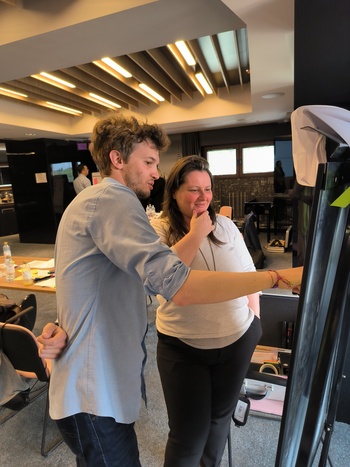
[107, 259]
[81, 181]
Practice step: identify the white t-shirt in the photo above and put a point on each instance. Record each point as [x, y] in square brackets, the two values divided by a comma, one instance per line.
[205, 326]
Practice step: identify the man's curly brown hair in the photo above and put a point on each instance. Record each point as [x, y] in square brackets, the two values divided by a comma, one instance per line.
[121, 133]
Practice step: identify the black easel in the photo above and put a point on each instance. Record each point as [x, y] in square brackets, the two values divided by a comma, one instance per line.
[323, 323]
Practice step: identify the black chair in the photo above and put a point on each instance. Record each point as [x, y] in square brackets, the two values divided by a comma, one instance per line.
[20, 346]
[252, 241]
[27, 314]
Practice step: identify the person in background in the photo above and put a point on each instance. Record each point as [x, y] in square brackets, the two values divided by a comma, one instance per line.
[203, 351]
[97, 382]
[81, 181]
[279, 178]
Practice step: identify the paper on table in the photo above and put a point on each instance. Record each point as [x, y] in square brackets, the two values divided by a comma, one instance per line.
[51, 282]
[42, 264]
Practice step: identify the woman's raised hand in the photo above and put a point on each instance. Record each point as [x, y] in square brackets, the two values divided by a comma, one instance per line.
[201, 224]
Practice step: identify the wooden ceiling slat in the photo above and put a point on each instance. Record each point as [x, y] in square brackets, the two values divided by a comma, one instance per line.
[87, 84]
[198, 54]
[135, 64]
[162, 68]
[181, 84]
[190, 72]
[34, 102]
[39, 88]
[133, 97]
[216, 45]
[238, 57]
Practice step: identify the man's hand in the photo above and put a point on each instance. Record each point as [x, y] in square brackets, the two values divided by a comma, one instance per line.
[52, 341]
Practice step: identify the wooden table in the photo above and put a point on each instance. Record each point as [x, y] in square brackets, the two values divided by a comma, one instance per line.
[18, 284]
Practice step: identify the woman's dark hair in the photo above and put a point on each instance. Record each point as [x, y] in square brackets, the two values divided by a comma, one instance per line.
[176, 178]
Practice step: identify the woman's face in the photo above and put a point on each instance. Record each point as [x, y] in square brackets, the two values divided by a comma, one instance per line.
[195, 194]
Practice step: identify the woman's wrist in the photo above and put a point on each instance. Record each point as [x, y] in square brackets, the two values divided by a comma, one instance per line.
[277, 279]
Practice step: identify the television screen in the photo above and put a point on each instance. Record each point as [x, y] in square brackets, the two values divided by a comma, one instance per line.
[63, 168]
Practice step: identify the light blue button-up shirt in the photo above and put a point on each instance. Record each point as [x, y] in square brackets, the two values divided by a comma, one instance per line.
[107, 258]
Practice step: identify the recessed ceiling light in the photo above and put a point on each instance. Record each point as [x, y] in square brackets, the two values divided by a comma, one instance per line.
[272, 95]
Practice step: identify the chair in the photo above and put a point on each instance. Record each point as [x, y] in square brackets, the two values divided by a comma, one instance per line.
[226, 211]
[27, 313]
[20, 346]
[252, 241]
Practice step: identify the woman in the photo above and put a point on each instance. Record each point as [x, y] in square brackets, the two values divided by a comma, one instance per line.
[203, 351]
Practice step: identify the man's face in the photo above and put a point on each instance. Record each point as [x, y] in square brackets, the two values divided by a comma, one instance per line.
[141, 170]
[85, 171]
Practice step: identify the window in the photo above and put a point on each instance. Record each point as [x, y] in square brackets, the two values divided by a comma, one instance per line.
[258, 159]
[241, 159]
[222, 161]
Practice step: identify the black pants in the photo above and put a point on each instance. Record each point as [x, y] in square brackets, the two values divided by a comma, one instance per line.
[201, 389]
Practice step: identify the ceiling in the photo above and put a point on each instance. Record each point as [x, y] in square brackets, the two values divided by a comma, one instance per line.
[244, 48]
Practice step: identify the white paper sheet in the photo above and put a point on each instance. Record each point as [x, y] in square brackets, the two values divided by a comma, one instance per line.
[50, 264]
[51, 282]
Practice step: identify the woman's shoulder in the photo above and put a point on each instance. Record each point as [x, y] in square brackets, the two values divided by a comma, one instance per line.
[226, 224]
[224, 220]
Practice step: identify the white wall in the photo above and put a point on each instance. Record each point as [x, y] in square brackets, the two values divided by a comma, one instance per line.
[174, 153]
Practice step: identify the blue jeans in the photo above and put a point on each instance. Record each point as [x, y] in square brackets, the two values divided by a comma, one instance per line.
[100, 441]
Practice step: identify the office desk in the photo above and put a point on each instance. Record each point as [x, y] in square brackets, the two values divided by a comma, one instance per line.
[18, 284]
[272, 208]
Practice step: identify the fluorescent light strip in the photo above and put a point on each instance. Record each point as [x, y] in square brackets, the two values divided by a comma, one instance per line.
[103, 101]
[62, 108]
[108, 61]
[11, 93]
[150, 91]
[58, 80]
[204, 83]
[185, 52]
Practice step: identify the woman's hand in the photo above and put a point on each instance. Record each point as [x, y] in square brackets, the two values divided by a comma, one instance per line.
[52, 341]
[201, 224]
[290, 278]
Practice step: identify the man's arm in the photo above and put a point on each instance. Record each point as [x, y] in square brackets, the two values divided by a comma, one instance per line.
[216, 287]
[52, 341]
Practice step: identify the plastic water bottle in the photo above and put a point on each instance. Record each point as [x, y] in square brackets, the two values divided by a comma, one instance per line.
[26, 274]
[10, 270]
[7, 252]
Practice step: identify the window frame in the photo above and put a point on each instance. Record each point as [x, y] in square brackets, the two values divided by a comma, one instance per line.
[239, 158]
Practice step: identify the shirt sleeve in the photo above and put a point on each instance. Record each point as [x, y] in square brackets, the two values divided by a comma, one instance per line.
[128, 240]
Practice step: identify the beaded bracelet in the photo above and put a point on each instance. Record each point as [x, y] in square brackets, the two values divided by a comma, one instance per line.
[279, 278]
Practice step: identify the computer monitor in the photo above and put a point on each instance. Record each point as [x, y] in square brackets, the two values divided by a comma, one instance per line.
[63, 168]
